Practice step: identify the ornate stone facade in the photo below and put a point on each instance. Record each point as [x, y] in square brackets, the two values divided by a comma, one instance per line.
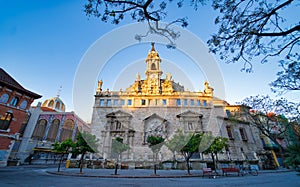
[159, 106]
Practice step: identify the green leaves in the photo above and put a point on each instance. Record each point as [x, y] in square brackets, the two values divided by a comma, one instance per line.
[293, 152]
[63, 147]
[85, 142]
[218, 145]
[178, 141]
[118, 146]
[155, 142]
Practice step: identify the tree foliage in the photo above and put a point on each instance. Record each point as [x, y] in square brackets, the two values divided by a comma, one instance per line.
[217, 146]
[247, 28]
[85, 143]
[63, 148]
[250, 29]
[272, 117]
[178, 141]
[155, 144]
[289, 78]
[191, 147]
[293, 158]
[151, 11]
[118, 147]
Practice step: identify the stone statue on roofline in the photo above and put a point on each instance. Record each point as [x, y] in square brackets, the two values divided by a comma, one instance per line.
[207, 89]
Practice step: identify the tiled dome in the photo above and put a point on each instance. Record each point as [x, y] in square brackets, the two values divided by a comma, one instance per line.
[54, 103]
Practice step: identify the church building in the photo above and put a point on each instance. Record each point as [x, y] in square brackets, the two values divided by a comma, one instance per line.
[159, 106]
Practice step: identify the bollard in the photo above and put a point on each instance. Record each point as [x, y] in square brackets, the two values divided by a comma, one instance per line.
[68, 164]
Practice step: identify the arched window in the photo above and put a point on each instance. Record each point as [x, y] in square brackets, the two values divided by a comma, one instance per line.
[153, 67]
[53, 130]
[57, 105]
[5, 120]
[51, 103]
[14, 101]
[67, 130]
[45, 103]
[4, 98]
[62, 107]
[24, 104]
[39, 130]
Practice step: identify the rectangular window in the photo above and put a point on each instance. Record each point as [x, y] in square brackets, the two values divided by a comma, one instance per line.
[108, 102]
[192, 102]
[116, 102]
[122, 102]
[143, 102]
[164, 101]
[185, 102]
[198, 102]
[190, 126]
[118, 125]
[178, 102]
[129, 102]
[229, 133]
[101, 102]
[5, 120]
[204, 102]
[243, 134]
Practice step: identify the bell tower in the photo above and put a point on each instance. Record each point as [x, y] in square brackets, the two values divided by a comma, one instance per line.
[153, 64]
[153, 71]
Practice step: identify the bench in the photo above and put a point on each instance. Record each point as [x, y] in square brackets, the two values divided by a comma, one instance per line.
[230, 170]
[206, 172]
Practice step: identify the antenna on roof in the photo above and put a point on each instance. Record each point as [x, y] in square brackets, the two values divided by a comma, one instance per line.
[59, 91]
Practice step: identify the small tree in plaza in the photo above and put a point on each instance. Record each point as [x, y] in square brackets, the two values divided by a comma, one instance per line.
[118, 147]
[177, 142]
[63, 148]
[191, 147]
[217, 146]
[155, 144]
[85, 142]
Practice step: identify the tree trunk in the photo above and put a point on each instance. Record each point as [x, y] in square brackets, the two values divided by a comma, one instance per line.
[116, 168]
[59, 163]
[117, 165]
[188, 166]
[174, 160]
[81, 163]
[154, 163]
[214, 162]
[217, 160]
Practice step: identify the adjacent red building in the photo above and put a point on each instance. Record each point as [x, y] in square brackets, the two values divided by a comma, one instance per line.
[15, 102]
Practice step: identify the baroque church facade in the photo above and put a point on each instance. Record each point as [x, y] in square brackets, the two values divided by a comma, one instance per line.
[159, 106]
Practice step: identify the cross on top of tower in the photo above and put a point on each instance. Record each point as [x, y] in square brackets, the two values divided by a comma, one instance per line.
[153, 49]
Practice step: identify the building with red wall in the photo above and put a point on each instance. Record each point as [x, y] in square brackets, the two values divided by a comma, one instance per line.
[15, 102]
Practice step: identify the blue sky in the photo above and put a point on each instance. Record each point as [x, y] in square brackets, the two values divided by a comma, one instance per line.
[42, 44]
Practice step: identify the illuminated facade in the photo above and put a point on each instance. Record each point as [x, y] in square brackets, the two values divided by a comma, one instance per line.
[157, 105]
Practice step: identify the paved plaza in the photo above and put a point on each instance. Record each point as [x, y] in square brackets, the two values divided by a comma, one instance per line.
[45, 176]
